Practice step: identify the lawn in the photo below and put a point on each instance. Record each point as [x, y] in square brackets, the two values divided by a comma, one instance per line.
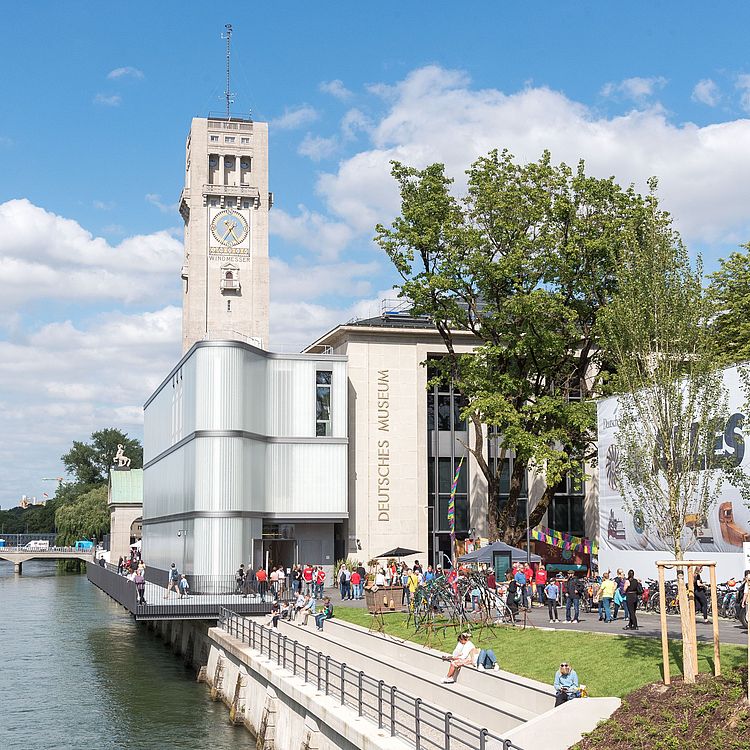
[607, 665]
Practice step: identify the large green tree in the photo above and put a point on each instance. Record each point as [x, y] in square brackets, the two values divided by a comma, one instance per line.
[90, 462]
[730, 293]
[86, 517]
[525, 262]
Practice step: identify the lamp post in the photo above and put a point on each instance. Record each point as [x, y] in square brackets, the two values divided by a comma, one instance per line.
[528, 534]
[183, 533]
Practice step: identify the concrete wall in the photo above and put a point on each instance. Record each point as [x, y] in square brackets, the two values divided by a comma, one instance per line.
[121, 519]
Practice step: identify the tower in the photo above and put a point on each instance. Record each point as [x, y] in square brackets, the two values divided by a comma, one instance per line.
[225, 205]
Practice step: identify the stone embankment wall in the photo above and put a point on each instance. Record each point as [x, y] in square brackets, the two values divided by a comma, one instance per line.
[280, 710]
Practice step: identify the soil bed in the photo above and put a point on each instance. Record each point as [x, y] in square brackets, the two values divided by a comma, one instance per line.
[713, 713]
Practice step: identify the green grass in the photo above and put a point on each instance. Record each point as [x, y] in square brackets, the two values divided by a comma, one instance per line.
[607, 665]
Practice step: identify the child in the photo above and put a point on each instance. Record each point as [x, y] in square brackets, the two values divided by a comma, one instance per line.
[184, 586]
[551, 591]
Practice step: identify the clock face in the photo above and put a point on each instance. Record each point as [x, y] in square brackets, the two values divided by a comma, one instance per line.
[229, 228]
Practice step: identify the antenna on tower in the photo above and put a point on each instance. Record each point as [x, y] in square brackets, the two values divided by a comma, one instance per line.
[228, 93]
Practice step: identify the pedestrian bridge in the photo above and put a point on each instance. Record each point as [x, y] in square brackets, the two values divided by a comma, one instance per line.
[19, 555]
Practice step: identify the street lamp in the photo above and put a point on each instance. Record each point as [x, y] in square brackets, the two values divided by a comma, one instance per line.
[528, 535]
[183, 533]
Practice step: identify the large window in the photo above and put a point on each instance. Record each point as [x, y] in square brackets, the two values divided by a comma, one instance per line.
[323, 380]
[566, 509]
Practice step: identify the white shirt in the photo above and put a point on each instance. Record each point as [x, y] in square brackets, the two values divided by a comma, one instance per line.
[379, 579]
[463, 650]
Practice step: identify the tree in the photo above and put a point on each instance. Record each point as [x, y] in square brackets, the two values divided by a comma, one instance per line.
[84, 518]
[730, 294]
[525, 262]
[671, 394]
[90, 462]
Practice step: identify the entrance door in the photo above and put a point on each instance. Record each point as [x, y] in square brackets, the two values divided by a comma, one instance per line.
[280, 552]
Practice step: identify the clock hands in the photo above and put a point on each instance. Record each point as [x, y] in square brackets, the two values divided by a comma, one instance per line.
[231, 226]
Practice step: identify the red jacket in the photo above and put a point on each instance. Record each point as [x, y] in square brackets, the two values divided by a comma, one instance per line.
[541, 577]
[356, 578]
[307, 574]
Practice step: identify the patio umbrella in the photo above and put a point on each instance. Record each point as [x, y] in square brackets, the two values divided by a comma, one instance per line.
[400, 552]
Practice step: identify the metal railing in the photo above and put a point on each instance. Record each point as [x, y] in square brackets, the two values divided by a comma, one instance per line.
[424, 726]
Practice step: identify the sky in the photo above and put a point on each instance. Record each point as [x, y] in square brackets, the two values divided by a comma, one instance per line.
[96, 101]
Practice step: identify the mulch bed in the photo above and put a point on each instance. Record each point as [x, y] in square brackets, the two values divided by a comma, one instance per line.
[713, 714]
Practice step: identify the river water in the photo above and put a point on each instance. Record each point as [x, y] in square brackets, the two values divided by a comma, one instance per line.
[77, 672]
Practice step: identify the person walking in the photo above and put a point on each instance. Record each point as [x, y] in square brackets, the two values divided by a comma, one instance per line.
[633, 593]
[607, 594]
[184, 586]
[239, 579]
[540, 581]
[572, 598]
[119, 566]
[344, 578]
[552, 593]
[740, 607]
[140, 587]
[249, 584]
[262, 578]
[174, 579]
[620, 600]
[699, 590]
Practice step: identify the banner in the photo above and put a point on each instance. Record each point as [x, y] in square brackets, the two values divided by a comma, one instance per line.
[563, 540]
[726, 525]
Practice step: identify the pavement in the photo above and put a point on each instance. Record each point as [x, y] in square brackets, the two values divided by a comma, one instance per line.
[730, 631]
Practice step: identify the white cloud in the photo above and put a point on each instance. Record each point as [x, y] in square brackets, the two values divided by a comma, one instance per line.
[300, 280]
[311, 230]
[743, 84]
[317, 148]
[103, 205]
[108, 100]
[336, 89]
[636, 88]
[126, 72]
[435, 115]
[59, 260]
[295, 117]
[706, 92]
[353, 122]
[155, 200]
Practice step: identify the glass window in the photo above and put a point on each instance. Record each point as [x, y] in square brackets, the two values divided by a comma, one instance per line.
[323, 380]
[462, 513]
[430, 412]
[214, 138]
[459, 404]
[444, 413]
[244, 141]
[228, 139]
[446, 473]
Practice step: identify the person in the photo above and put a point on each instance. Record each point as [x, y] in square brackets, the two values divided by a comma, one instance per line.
[520, 578]
[740, 606]
[326, 614]
[273, 616]
[274, 581]
[239, 579]
[262, 578]
[528, 571]
[429, 574]
[417, 567]
[249, 584]
[414, 584]
[101, 561]
[620, 600]
[572, 598]
[174, 579]
[320, 579]
[299, 603]
[140, 587]
[699, 591]
[461, 656]
[491, 581]
[308, 608]
[566, 684]
[633, 592]
[307, 578]
[184, 586]
[296, 580]
[540, 580]
[344, 582]
[552, 593]
[596, 597]
[607, 594]
[380, 578]
[512, 595]
[356, 585]
[119, 566]
[405, 588]
[484, 659]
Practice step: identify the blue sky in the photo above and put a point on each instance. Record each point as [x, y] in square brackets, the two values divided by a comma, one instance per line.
[97, 100]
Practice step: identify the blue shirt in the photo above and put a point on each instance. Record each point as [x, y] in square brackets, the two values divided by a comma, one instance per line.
[551, 591]
[569, 681]
[520, 578]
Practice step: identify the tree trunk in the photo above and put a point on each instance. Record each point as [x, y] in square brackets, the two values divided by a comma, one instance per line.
[688, 670]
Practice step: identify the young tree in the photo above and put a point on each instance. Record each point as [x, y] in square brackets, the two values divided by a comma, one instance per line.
[730, 294]
[671, 394]
[525, 263]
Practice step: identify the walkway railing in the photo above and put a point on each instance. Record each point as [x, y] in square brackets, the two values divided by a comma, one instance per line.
[424, 726]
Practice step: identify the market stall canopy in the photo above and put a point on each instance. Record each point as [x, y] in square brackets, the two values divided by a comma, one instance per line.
[400, 552]
[485, 554]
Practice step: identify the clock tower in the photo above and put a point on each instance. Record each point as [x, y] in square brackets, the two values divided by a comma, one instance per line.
[225, 205]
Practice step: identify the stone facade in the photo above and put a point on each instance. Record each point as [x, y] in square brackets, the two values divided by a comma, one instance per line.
[225, 205]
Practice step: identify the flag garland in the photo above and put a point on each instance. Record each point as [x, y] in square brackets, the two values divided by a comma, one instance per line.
[564, 540]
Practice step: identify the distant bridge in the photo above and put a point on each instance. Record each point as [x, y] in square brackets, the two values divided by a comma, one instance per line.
[19, 555]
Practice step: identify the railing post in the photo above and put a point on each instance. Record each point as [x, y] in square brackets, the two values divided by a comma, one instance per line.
[483, 739]
[417, 741]
[359, 693]
[278, 649]
[343, 678]
[294, 659]
[380, 704]
[328, 659]
[393, 710]
[448, 717]
[307, 652]
[319, 655]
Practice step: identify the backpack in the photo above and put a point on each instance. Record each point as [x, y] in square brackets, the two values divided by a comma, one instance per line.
[174, 575]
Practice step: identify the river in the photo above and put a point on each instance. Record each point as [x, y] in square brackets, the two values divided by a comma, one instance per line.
[77, 672]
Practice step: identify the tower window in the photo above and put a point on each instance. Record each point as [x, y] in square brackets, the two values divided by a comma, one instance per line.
[228, 139]
[230, 278]
[229, 305]
[214, 138]
[245, 141]
[323, 381]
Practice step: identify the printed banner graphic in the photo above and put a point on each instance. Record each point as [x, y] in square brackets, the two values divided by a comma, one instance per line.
[726, 525]
[563, 540]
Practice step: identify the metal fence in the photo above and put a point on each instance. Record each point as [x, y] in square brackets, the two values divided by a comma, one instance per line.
[424, 726]
[19, 540]
[217, 585]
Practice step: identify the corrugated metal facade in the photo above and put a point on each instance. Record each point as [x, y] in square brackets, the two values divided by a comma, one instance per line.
[246, 419]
